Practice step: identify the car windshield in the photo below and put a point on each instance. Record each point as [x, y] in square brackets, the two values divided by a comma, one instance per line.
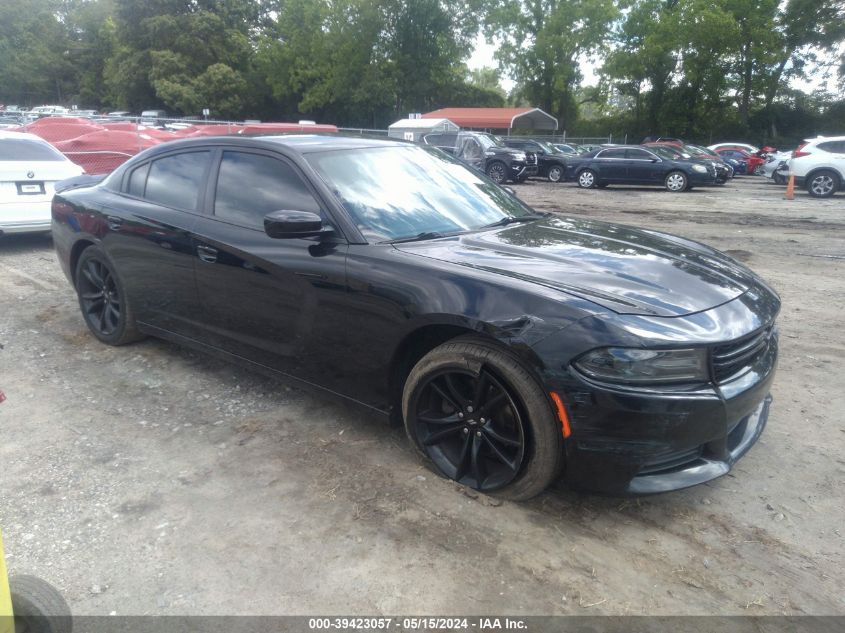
[400, 192]
[488, 140]
[549, 148]
[666, 152]
[17, 149]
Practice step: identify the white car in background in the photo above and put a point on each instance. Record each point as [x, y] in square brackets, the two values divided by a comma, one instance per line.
[29, 170]
[819, 165]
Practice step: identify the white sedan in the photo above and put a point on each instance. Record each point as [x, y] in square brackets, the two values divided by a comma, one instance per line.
[29, 169]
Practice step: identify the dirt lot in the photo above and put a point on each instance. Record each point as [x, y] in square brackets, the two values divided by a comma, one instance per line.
[153, 480]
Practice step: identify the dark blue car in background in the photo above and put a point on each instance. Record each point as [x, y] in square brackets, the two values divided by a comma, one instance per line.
[637, 165]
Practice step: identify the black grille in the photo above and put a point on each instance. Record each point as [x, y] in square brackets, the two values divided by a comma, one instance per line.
[732, 358]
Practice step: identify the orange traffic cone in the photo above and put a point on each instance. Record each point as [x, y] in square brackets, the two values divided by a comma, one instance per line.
[790, 188]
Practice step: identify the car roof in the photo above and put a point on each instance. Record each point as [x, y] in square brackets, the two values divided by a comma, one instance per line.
[300, 143]
[21, 136]
[821, 139]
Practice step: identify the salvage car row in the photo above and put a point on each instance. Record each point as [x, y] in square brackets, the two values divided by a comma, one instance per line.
[667, 162]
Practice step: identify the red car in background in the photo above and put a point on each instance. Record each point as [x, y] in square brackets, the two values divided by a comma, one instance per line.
[754, 164]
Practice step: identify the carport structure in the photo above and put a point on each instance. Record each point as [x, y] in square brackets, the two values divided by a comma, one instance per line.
[496, 118]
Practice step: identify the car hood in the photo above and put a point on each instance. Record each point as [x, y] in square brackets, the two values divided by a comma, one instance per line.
[627, 270]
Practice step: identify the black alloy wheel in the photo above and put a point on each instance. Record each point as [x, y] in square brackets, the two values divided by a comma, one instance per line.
[497, 172]
[104, 306]
[476, 414]
[470, 427]
[99, 297]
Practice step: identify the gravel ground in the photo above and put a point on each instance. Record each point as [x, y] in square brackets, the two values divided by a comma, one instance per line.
[153, 480]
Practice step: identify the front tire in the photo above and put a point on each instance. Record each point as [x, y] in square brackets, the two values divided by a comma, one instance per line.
[497, 171]
[823, 184]
[779, 179]
[587, 179]
[478, 417]
[103, 301]
[676, 181]
[555, 173]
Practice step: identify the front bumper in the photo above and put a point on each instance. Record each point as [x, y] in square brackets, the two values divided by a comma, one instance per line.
[519, 170]
[29, 226]
[635, 441]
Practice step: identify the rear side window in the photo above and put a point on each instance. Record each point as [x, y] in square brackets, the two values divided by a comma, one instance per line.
[835, 147]
[175, 181]
[638, 154]
[249, 186]
[12, 149]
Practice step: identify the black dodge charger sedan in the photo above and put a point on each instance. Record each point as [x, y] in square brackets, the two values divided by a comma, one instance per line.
[516, 346]
[638, 165]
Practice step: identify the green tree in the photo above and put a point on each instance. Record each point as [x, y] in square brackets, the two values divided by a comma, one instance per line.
[541, 43]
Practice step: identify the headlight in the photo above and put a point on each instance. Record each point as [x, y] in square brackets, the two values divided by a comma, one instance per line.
[628, 365]
[489, 153]
[701, 169]
[521, 156]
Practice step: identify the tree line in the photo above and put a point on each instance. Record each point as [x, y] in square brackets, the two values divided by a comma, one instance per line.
[690, 68]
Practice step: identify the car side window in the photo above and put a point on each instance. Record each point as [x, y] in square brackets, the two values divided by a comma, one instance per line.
[138, 181]
[612, 153]
[638, 154]
[175, 181]
[834, 147]
[249, 186]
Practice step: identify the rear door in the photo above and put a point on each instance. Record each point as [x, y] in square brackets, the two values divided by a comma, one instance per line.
[148, 237]
[278, 302]
[836, 155]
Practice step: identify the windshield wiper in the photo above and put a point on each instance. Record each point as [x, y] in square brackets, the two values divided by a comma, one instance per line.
[514, 219]
[426, 235]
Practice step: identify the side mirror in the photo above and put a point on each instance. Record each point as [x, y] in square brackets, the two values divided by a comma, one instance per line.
[288, 223]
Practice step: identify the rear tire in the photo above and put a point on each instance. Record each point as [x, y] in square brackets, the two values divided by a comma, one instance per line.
[823, 184]
[38, 607]
[477, 416]
[103, 301]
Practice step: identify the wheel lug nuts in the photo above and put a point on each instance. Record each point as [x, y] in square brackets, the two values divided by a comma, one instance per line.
[466, 430]
[478, 434]
[482, 420]
[469, 409]
[460, 415]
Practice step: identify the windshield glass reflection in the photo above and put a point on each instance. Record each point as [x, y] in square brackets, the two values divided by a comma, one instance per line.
[400, 192]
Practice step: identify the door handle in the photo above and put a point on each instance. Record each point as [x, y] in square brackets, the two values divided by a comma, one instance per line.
[114, 222]
[207, 254]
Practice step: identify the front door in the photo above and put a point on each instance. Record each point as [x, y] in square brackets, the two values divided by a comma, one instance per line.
[278, 302]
